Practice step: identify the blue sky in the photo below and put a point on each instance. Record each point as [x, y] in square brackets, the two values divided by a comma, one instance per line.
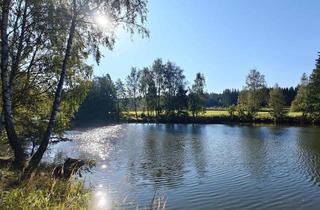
[224, 39]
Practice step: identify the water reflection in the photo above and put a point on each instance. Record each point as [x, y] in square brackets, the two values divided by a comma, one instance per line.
[100, 199]
[208, 166]
[162, 158]
[254, 143]
[198, 149]
[309, 149]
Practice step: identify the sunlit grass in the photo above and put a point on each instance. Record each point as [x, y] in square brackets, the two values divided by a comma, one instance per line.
[295, 114]
[264, 113]
[45, 193]
[215, 113]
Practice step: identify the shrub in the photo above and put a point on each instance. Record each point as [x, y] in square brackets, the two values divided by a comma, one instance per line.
[232, 110]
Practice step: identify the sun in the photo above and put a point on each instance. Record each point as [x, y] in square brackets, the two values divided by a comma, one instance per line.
[102, 21]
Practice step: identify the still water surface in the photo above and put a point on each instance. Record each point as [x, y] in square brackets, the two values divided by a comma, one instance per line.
[199, 166]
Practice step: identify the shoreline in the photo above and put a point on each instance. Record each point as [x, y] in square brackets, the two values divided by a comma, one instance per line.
[228, 120]
[288, 121]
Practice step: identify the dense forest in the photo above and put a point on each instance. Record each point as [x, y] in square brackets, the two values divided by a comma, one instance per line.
[161, 90]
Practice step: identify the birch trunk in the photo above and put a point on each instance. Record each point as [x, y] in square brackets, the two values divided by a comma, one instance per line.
[36, 158]
[19, 155]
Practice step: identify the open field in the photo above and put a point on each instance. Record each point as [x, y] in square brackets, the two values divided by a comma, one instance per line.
[262, 114]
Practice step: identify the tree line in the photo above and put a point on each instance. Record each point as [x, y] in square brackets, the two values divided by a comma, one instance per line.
[306, 98]
[161, 90]
[230, 97]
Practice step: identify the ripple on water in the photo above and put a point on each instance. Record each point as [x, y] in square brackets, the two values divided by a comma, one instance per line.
[201, 166]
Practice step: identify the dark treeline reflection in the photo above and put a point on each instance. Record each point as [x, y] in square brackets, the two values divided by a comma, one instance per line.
[166, 152]
[198, 150]
[254, 150]
[309, 152]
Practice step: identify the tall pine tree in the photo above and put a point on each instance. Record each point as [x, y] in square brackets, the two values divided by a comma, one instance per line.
[314, 92]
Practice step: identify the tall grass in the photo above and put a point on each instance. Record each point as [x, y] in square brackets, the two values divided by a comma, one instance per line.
[264, 113]
[43, 192]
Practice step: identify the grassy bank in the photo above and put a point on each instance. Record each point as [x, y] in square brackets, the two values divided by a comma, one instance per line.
[44, 193]
[219, 116]
[41, 192]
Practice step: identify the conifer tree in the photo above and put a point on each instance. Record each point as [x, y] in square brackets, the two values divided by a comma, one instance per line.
[313, 93]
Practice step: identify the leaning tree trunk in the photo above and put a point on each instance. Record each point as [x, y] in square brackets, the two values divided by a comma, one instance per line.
[36, 158]
[19, 155]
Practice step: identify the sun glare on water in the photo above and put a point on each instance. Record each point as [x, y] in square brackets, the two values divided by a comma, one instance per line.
[100, 201]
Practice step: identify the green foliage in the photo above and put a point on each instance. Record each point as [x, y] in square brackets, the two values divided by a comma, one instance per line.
[32, 106]
[250, 102]
[241, 110]
[255, 80]
[48, 44]
[253, 95]
[313, 93]
[225, 99]
[300, 102]
[122, 99]
[231, 110]
[101, 102]
[147, 89]
[197, 96]
[229, 97]
[173, 79]
[181, 100]
[132, 83]
[45, 193]
[289, 94]
[276, 102]
[158, 69]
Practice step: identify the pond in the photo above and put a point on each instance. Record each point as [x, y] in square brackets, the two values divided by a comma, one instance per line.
[199, 166]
